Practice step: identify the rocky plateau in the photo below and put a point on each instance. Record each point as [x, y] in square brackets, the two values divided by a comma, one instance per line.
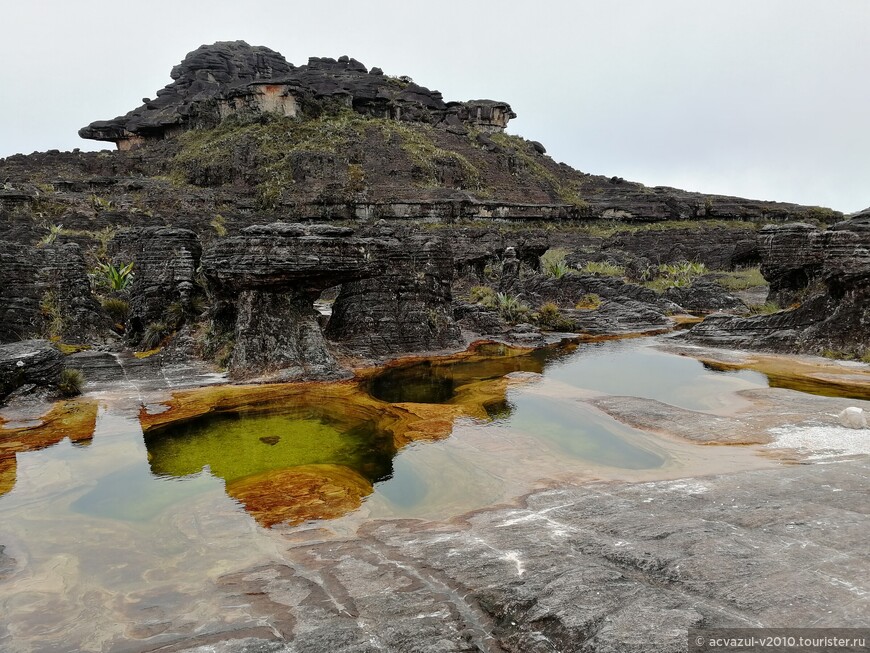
[263, 222]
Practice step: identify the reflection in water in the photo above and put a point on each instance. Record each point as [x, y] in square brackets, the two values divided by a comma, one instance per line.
[73, 419]
[437, 381]
[289, 465]
[580, 432]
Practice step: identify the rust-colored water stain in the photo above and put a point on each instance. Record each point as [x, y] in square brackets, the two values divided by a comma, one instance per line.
[300, 493]
[74, 419]
[814, 377]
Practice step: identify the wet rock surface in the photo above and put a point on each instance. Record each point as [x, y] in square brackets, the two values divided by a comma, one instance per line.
[607, 567]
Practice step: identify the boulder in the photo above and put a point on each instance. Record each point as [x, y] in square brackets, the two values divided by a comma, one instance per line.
[853, 418]
[35, 362]
[704, 296]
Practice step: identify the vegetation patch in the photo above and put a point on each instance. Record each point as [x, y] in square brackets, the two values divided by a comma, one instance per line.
[70, 382]
[588, 302]
[553, 263]
[675, 275]
[741, 279]
[511, 308]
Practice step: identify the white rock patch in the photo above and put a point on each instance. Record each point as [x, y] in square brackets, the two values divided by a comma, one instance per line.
[821, 441]
[853, 418]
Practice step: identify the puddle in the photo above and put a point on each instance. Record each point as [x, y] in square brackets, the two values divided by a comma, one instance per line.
[137, 527]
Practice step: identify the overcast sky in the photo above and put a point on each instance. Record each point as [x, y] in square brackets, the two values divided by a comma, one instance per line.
[766, 99]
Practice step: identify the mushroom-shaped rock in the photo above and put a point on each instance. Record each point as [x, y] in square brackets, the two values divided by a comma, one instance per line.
[266, 281]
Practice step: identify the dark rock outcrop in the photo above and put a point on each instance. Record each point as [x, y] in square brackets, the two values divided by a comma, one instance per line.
[65, 286]
[719, 248]
[19, 297]
[35, 362]
[165, 262]
[407, 308]
[266, 281]
[826, 274]
[231, 77]
[704, 296]
[46, 291]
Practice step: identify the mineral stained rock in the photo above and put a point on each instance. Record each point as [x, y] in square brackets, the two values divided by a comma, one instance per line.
[407, 308]
[827, 276]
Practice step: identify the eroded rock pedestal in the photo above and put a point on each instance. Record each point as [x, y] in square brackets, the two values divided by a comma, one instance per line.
[405, 309]
[266, 281]
[822, 277]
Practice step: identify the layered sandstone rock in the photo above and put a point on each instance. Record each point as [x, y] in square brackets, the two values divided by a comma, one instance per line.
[407, 308]
[826, 274]
[165, 262]
[233, 78]
[265, 282]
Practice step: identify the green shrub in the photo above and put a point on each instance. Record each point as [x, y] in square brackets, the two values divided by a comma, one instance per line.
[511, 307]
[603, 269]
[553, 263]
[483, 295]
[677, 275]
[116, 309]
[742, 279]
[70, 382]
[114, 278]
[765, 309]
[865, 358]
[154, 335]
[219, 225]
[550, 316]
[54, 231]
[51, 313]
[588, 302]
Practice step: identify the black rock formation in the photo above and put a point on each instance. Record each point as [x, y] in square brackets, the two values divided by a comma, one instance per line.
[29, 362]
[232, 77]
[266, 281]
[407, 308]
[825, 275]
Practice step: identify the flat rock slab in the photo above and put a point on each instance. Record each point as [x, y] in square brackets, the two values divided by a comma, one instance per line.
[603, 567]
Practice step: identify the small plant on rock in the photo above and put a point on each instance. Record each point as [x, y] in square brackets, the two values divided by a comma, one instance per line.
[483, 295]
[154, 335]
[114, 278]
[553, 263]
[765, 309]
[588, 302]
[511, 307]
[117, 310]
[54, 230]
[70, 382]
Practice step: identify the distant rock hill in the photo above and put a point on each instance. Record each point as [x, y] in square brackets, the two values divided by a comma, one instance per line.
[242, 133]
[232, 78]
